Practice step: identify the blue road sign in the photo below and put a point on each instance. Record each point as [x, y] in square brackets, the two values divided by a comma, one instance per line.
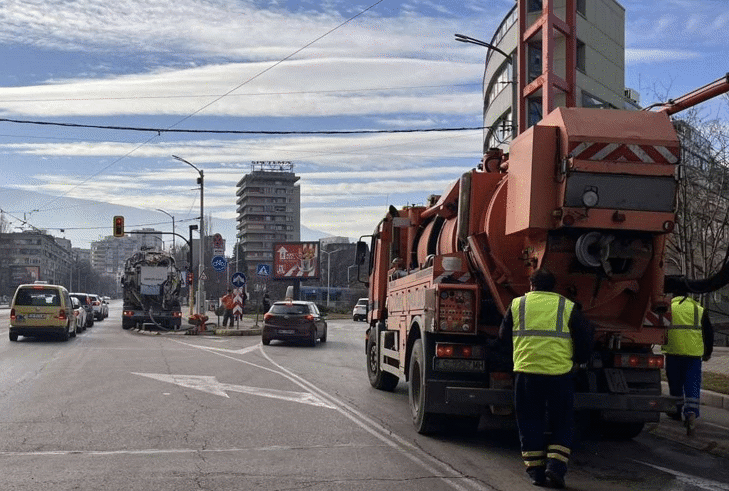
[238, 279]
[263, 270]
[219, 263]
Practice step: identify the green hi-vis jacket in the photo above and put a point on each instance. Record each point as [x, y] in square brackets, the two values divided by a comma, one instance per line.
[542, 340]
[685, 336]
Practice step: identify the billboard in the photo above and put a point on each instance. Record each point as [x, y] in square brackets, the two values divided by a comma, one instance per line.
[296, 260]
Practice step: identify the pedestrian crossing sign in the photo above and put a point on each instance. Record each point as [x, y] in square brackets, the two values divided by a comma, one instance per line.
[263, 270]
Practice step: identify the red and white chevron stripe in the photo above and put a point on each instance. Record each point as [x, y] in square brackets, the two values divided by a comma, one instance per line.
[655, 320]
[622, 152]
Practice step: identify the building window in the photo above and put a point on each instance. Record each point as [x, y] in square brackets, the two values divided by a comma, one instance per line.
[534, 6]
[501, 131]
[535, 60]
[589, 100]
[581, 56]
[501, 81]
[534, 110]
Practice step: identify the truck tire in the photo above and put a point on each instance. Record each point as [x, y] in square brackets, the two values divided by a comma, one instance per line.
[378, 379]
[424, 422]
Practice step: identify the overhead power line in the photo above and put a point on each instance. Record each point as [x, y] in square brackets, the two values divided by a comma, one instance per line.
[234, 132]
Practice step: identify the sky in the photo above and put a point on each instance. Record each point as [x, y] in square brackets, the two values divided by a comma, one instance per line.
[274, 66]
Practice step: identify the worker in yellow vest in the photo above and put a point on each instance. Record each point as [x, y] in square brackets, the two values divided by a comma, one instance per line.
[548, 335]
[690, 340]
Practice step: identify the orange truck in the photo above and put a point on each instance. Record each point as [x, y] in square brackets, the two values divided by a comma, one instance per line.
[587, 193]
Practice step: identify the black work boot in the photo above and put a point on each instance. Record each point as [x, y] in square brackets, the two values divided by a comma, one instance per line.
[536, 474]
[555, 473]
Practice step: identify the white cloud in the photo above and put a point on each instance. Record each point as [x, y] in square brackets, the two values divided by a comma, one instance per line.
[649, 55]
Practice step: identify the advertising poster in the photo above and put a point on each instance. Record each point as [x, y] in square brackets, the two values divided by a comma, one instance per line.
[293, 260]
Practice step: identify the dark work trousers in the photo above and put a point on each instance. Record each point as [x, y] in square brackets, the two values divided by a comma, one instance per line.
[536, 396]
[228, 315]
[684, 380]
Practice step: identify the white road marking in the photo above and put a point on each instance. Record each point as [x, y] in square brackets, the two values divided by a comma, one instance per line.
[211, 385]
[693, 481]
[438, 468]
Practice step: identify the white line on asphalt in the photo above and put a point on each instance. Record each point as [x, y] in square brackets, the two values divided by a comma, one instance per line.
[155, 451]
[688, 480]
[450, 476]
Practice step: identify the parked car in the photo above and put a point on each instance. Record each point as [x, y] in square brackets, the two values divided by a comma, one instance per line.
[96, 305]
[359, 312]
[294, 320]
[80, 314]
[40, 309]
[105, 305]
[85, 300]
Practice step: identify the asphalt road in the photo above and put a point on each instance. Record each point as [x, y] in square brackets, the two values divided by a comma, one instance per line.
[117, 410]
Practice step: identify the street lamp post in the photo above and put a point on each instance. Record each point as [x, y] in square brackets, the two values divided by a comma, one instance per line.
[201, 265]
[173, 227]
[329, 268]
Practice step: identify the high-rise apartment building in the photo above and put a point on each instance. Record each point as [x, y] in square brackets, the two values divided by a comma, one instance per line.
[600, 65]
[269, 211]
[108, 255]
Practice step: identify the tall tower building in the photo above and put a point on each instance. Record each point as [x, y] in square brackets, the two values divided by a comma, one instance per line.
[269, 211]
[599, 65]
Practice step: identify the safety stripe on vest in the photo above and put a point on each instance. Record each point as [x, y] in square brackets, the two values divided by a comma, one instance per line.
[694, 327]
[557, 333]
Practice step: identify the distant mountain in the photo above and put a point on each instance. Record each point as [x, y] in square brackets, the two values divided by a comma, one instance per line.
[84, 221]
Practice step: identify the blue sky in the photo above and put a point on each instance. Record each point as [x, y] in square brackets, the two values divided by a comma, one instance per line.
[167, 64]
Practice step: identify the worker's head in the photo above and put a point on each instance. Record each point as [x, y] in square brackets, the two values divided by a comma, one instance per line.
[230, 291]
[542, 280]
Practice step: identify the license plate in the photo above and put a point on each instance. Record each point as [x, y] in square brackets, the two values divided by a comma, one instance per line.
[450, 365]
[36, 316]
[286, 331]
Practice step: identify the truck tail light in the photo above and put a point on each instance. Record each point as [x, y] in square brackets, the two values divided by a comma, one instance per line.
[176, 314]
[128, 313]
[634, 360]
[453, 350]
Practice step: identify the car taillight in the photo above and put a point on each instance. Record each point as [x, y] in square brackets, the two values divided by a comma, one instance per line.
[633, 360]
[62, 315]
[309, 317]
[96, 303]
[453, 350]
[267, 316]
[12, 314]
[177, 314]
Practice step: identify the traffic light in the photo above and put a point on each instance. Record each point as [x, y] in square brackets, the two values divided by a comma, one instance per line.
[118, 226]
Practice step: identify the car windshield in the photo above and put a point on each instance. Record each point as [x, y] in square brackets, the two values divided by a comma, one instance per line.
[296, 309]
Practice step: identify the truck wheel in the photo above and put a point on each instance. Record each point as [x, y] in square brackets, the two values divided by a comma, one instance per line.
[378, 379]
[13, 336]
[323, 337]
[424, 422]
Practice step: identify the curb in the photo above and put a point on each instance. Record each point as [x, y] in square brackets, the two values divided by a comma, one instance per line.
[677, 433]
[708, 398]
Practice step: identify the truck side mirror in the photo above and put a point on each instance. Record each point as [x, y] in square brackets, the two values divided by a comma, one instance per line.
[361, 253]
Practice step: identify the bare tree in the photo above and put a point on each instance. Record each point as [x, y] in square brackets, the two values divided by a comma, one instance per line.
[698, 247]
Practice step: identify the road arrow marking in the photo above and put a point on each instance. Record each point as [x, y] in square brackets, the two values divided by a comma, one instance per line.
[211, 385]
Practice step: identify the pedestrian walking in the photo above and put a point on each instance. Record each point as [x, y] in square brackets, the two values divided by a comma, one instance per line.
[548, 334]
[229, 304]
[690, 341]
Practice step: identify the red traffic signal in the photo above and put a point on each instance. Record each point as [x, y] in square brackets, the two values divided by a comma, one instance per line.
[118, 226]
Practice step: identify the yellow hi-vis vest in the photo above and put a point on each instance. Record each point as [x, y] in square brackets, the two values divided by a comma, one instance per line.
[685, 336]
[542, 340]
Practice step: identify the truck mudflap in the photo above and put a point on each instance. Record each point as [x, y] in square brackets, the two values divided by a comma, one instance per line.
[583, 400]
